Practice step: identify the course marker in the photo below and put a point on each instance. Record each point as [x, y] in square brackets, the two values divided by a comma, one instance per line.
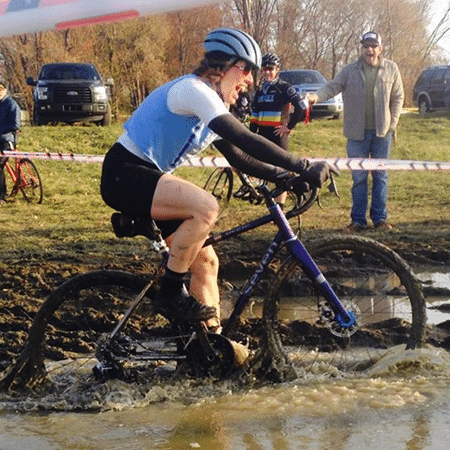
[219, 161]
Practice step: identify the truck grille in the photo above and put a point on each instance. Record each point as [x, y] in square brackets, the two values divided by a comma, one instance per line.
[72, 94]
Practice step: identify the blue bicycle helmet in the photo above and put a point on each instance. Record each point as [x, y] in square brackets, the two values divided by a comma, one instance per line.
[234, 43]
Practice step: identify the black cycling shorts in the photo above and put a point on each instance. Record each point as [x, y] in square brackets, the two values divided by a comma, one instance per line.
[128, 185]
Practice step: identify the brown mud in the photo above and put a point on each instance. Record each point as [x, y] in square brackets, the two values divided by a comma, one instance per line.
[27, 277]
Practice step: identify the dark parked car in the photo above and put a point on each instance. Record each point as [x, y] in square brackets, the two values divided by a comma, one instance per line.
[432, 89]
[309, 81]
[71, 92]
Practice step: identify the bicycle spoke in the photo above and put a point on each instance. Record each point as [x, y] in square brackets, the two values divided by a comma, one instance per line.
[28, 181]
[372, 282]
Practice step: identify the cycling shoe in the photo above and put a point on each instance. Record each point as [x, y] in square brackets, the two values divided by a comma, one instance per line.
[183, 307]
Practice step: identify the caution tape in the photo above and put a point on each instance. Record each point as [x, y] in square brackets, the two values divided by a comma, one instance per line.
[55, 156]
[219, 161]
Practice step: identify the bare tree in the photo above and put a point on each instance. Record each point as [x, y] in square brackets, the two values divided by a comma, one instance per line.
[440, 31]
[188, 29]
[141, 54]
[255, 17]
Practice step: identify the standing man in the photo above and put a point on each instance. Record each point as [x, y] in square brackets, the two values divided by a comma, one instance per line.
[9, 124]
[373, 99]
[276, 107]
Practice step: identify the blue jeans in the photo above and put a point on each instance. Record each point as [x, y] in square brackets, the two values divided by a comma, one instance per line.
[370, 147]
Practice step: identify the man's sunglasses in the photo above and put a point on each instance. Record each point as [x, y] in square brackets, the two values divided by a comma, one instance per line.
[268, 68]
[370, 45]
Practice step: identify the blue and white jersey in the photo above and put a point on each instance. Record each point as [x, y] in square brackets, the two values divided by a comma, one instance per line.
[171, 124]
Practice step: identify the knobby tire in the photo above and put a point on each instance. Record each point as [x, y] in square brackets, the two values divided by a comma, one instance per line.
[366, 275]
[28, 182]
[66, 328]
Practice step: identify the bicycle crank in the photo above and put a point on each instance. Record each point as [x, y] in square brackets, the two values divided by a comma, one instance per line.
[212, 354]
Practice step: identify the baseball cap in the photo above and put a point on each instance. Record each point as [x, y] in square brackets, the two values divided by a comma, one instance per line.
[371, 36]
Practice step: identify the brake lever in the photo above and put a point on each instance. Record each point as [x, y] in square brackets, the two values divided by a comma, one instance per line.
[333, 186]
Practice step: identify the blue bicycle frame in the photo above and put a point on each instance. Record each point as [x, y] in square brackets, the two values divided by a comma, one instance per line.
[285, 235]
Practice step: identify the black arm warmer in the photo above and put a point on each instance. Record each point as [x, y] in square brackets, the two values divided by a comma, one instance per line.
[233, 131]
[246, 163]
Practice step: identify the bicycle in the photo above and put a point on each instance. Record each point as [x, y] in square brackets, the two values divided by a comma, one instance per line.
[25, 178]
[221, 183]
[103, 324]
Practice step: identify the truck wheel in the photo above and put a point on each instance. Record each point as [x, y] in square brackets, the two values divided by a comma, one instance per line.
[423, 107]
[106, 118]
[37, 120]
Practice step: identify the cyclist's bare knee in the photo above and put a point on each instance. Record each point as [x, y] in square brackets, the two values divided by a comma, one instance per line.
[206, 264]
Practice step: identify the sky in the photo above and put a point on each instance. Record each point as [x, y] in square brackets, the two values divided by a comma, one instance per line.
[437, 11]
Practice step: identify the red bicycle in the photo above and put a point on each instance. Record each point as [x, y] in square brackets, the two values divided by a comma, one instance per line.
[25, 179]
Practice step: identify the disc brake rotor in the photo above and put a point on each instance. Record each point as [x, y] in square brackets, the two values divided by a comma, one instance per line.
[333, 322]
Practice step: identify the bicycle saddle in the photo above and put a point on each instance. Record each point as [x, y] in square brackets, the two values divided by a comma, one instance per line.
[126, 226]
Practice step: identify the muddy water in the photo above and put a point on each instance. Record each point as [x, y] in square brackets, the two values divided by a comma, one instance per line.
[402, 403]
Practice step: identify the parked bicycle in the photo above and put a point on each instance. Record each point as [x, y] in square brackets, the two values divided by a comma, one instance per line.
[225, 183]
[340, 306]
[24, 177]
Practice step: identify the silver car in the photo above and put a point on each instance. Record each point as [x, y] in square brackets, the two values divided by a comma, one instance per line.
[309, 81]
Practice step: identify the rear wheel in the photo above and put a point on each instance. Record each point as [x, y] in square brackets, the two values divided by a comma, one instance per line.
[28, 182]
[69, 333]
[372, 281]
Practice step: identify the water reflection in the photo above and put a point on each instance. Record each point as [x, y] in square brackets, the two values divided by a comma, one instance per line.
[396, 413]
[437, 290]
[435, 277]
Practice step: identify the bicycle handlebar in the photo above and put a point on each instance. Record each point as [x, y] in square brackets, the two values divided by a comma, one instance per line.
[304, 193]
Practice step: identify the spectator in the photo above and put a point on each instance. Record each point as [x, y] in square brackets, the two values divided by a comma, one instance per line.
[373, 98]
[9, 124]
[271, 107]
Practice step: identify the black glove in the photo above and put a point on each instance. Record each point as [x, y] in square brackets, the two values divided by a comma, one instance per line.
[316, 173]
[281, 176]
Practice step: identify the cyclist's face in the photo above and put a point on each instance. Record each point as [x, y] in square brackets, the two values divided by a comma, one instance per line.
[269, 73]
[237, 79]
[2, 92]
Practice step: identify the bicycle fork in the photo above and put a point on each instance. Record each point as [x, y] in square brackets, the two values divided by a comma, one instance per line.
[344, 318]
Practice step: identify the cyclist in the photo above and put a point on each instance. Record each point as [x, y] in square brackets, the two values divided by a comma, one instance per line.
[276, 107]
[9, 125]
[175, 122]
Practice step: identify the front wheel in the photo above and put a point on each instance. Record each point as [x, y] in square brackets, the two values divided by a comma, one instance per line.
[220, 185]
[372, 281]
[424, 107]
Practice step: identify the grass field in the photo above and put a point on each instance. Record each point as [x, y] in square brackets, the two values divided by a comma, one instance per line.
[73, 213]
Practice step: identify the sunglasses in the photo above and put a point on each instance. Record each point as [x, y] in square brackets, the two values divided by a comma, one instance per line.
[246, 69]
[269, 69]
[370, 45]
